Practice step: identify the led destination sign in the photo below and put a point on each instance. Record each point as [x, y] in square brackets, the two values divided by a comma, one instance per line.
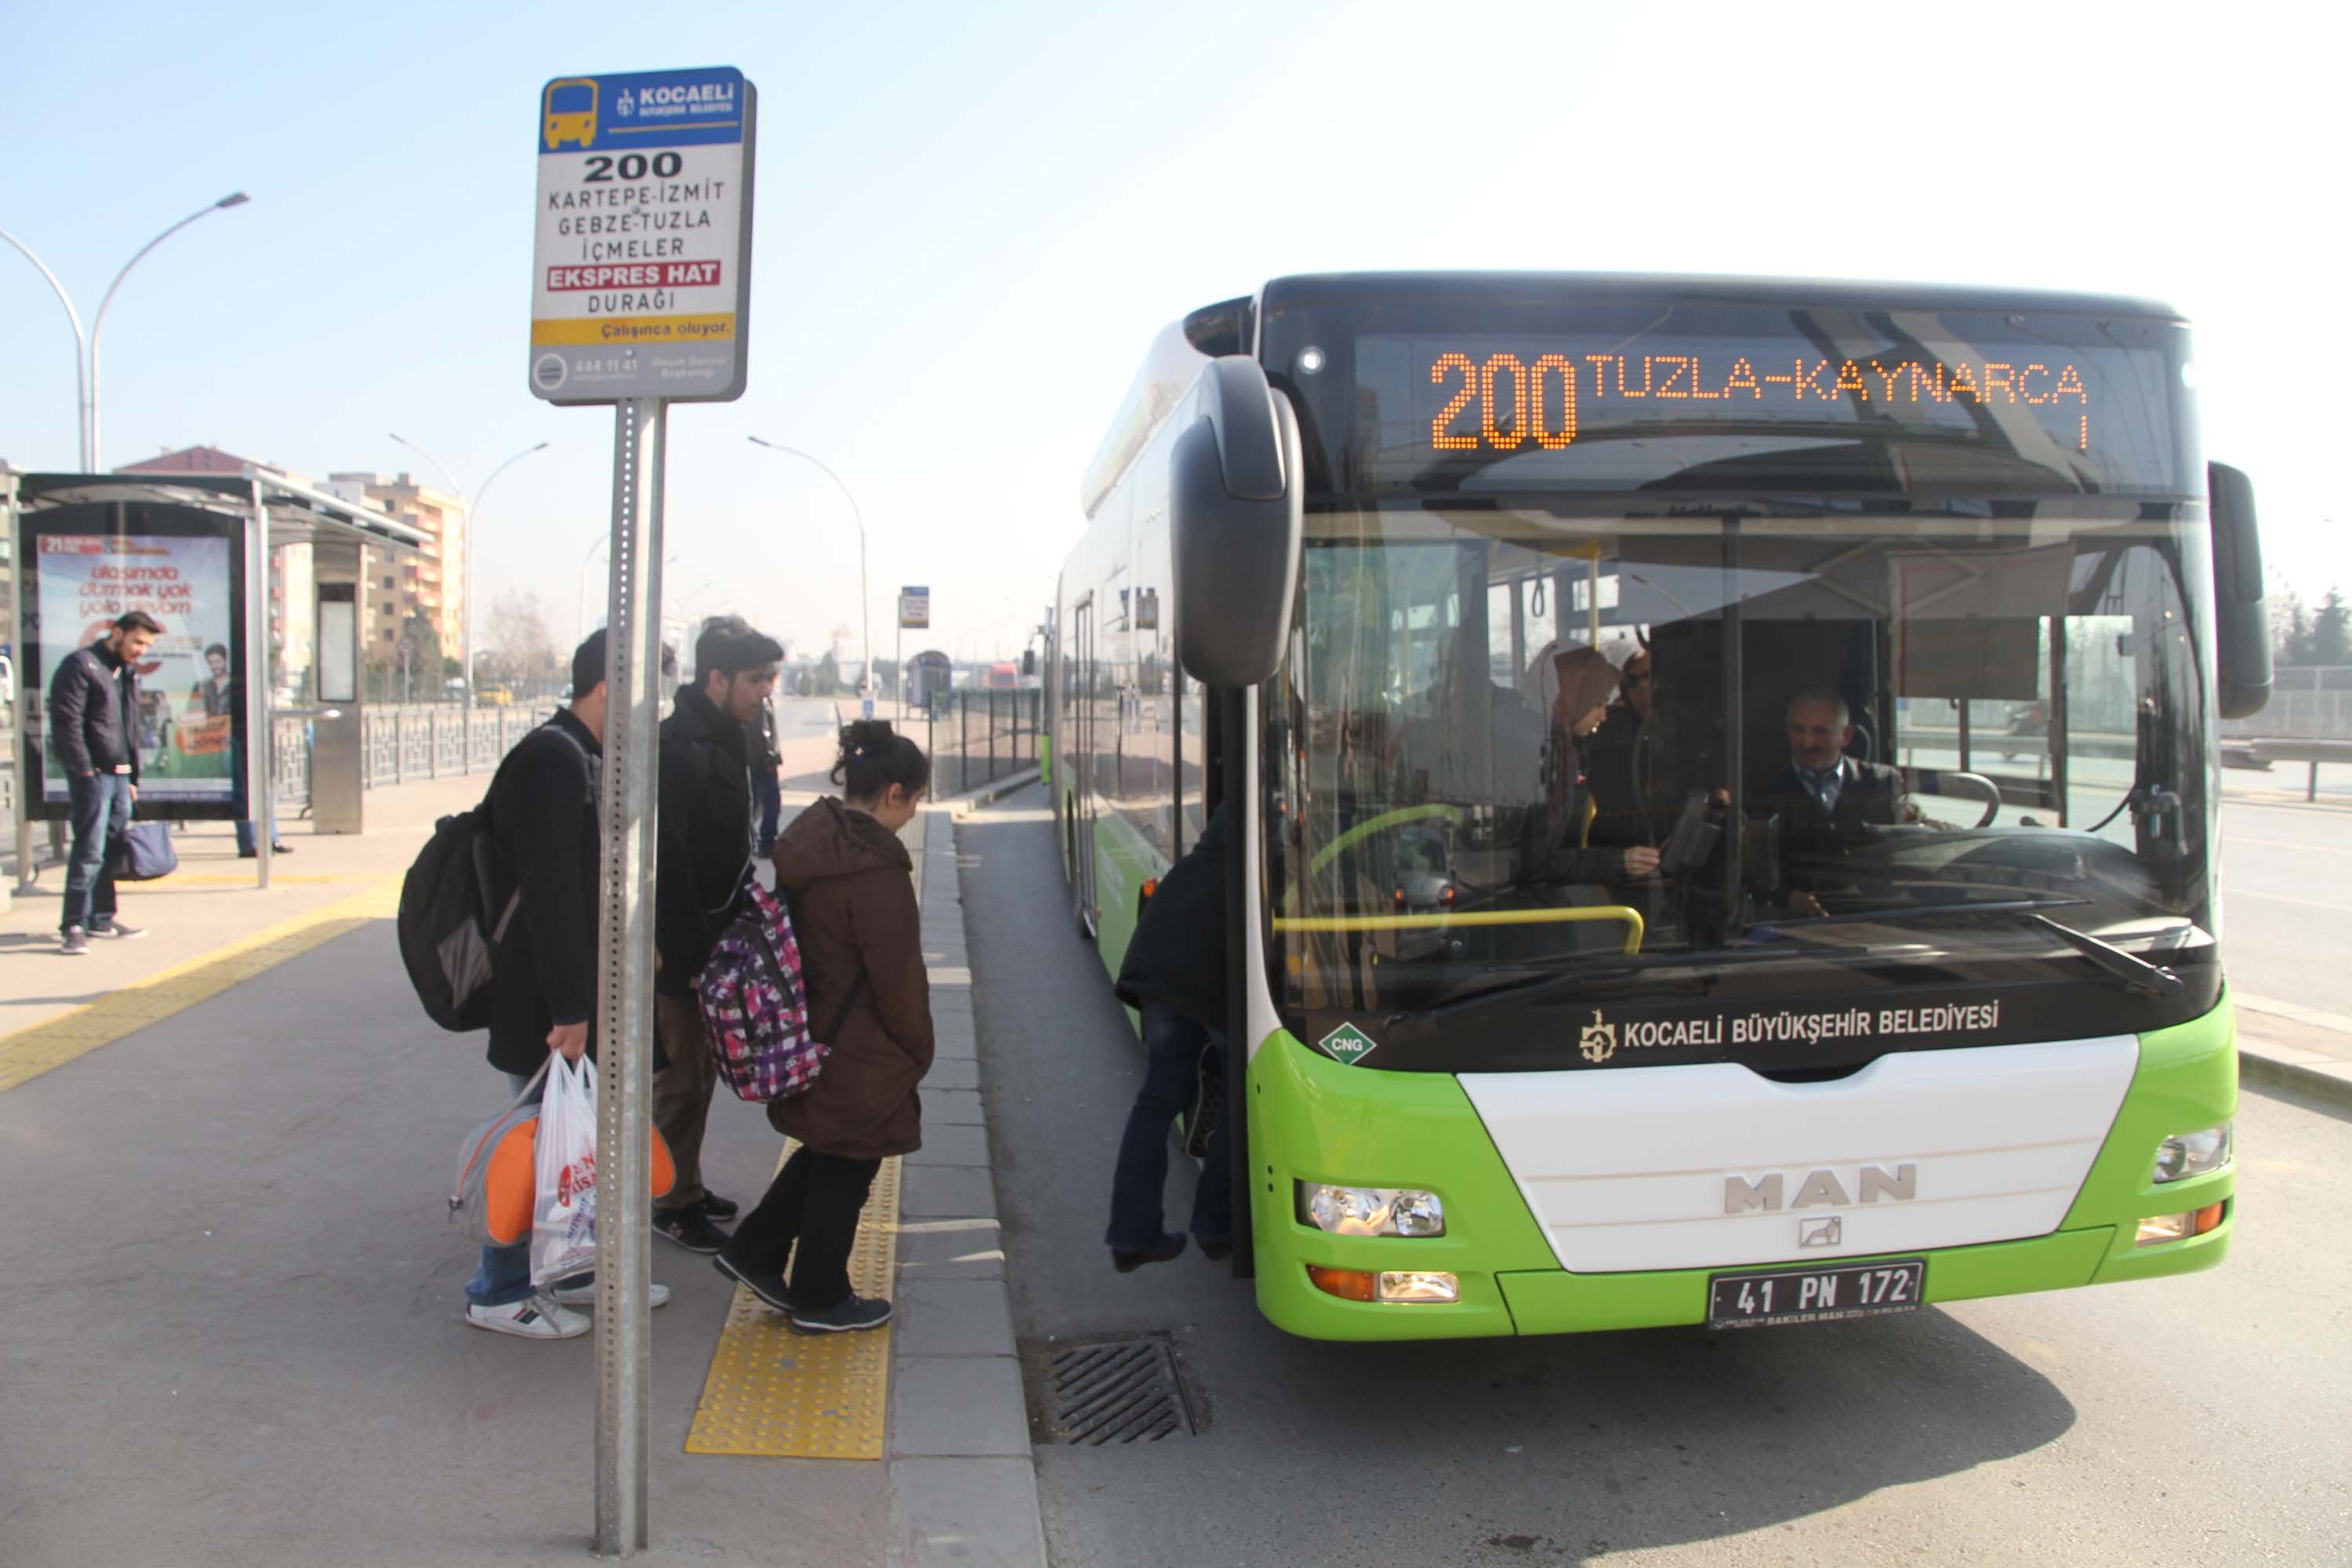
[2090, 403]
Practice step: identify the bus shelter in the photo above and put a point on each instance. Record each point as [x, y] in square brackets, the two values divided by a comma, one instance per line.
[256, 581]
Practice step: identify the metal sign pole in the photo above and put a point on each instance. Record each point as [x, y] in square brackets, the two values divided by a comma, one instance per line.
[256, 633]
[625, 1010]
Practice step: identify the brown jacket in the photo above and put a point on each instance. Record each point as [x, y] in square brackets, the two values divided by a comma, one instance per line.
[854, 908]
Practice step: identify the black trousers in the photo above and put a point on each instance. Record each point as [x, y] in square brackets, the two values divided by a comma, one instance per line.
[815, 1200]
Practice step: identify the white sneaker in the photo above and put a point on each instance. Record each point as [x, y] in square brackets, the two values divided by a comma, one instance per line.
[536, 1318]
[583, 1297]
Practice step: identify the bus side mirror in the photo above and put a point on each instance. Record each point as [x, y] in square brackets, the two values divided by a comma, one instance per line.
[2241, 622]
[1237, 513]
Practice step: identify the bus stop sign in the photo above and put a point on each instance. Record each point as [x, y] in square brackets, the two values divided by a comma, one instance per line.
[642, 270]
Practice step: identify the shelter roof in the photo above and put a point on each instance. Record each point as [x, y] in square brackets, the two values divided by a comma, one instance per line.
[298, 514]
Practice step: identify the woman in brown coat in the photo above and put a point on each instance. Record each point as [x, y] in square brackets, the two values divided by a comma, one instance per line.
[855, 916]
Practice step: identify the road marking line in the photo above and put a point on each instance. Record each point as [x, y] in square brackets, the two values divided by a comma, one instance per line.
[2282, 899]
[773, 1394]
[180, 878]
[34, 1049]
[2229, 838]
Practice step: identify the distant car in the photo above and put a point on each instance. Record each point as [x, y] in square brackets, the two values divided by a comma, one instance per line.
[494, 697]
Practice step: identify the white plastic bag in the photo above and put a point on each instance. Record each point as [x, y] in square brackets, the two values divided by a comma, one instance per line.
[564, 1223]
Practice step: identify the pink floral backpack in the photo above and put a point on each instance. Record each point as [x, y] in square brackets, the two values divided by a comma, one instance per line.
[754, 1002]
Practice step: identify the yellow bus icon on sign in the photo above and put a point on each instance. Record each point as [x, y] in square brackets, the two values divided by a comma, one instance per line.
[570, 111]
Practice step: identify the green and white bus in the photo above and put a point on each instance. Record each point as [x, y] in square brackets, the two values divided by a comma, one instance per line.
[1366, 556]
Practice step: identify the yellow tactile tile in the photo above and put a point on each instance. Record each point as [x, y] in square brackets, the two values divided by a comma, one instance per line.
[779, 1394]
[32, 1051]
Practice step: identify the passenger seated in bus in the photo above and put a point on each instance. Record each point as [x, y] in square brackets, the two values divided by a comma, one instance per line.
[1826, 801]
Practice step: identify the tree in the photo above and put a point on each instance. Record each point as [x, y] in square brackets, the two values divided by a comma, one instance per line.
[2331, 631]
[516, 644]
[827, 679]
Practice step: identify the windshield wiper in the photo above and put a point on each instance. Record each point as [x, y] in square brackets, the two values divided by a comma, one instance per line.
[2136, 974]
[1916, 911]
[1584, 969]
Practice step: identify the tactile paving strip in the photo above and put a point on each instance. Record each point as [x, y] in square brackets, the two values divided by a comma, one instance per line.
[778, 1394]
[30, 1052]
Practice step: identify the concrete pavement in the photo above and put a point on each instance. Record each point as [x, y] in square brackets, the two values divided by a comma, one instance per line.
[232, 1331]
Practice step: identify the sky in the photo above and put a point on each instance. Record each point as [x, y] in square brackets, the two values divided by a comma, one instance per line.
[970, 221]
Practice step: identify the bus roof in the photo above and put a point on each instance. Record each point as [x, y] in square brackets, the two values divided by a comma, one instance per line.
[1341, 288]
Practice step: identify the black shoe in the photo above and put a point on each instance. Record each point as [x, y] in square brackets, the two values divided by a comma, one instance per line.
[690, 1228]
[1215, 1251]
[256, 854]
[853, 1314]
[769, 1288]
[717, 1207]
[1127, 1261]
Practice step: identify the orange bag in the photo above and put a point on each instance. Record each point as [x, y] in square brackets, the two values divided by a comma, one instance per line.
[496, 1171]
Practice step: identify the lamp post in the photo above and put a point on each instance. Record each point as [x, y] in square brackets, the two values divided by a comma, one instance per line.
[864, 597]
[85, 346]
[473, 517]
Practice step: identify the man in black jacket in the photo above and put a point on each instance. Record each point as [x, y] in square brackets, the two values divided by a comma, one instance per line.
[544, 843]
[1826, 801]
[94, 730]
[710, 755]
[1174, 974]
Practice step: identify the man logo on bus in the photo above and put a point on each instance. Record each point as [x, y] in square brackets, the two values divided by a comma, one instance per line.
[1599, 1041]
[571, 112]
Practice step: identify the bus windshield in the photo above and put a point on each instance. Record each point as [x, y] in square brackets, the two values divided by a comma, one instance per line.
[1525, 735]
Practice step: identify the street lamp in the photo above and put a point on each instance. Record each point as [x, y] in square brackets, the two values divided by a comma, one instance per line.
[473, 517]
[865, 595]
[86, 347]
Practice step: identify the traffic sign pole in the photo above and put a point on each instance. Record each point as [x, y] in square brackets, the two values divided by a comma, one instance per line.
[640, 297]
[625, 999]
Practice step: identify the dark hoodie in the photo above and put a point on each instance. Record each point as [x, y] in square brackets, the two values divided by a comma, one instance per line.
[853, 913]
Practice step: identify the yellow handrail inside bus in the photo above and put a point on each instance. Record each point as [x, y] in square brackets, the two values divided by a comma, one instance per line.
[1631, 917]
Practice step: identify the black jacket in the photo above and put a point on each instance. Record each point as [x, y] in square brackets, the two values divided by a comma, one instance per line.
[92, 699]
[1814, 843]
[1620, 761]
[544, 842]
[1177, 956]
[705, 859]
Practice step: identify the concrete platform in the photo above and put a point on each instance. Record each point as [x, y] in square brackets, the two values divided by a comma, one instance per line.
[232, 1328]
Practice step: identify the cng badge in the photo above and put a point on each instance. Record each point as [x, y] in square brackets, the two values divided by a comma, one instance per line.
[1347, 1045]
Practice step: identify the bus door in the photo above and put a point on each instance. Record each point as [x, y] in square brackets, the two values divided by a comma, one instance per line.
[1087, 683]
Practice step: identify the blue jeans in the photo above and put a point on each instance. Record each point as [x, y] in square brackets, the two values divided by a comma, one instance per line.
[1173, 1045]
[769, 791]
[503, 1276]
[100, 806]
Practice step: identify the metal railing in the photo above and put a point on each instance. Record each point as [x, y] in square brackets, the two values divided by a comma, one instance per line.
[2308, 702]
[402, 745]
[976, 737]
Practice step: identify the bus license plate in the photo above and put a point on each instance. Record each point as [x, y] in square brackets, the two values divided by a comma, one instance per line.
[1815, 1295]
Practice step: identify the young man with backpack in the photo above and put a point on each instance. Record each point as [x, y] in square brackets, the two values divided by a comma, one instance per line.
[710, 755]
[545, 853]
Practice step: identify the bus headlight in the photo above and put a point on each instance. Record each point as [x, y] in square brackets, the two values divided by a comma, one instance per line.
[1371, 1211]
[2194, 1153]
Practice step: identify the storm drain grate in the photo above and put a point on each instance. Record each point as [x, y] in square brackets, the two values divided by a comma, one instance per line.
[1116, 1391]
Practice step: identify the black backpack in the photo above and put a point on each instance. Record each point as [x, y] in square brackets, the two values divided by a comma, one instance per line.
[449, 933]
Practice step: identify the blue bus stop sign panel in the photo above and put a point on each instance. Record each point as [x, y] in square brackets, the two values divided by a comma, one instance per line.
[642, 263]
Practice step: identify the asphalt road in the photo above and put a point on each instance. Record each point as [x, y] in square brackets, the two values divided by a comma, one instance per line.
[2286, 892]
[2189, 1421]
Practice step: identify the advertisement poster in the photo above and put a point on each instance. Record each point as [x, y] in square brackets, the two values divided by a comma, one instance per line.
[188, 689]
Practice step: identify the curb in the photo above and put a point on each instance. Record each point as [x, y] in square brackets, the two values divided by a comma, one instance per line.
[2317, 1078]
[963, 1485]
[989, 794]
[2316, 1075]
